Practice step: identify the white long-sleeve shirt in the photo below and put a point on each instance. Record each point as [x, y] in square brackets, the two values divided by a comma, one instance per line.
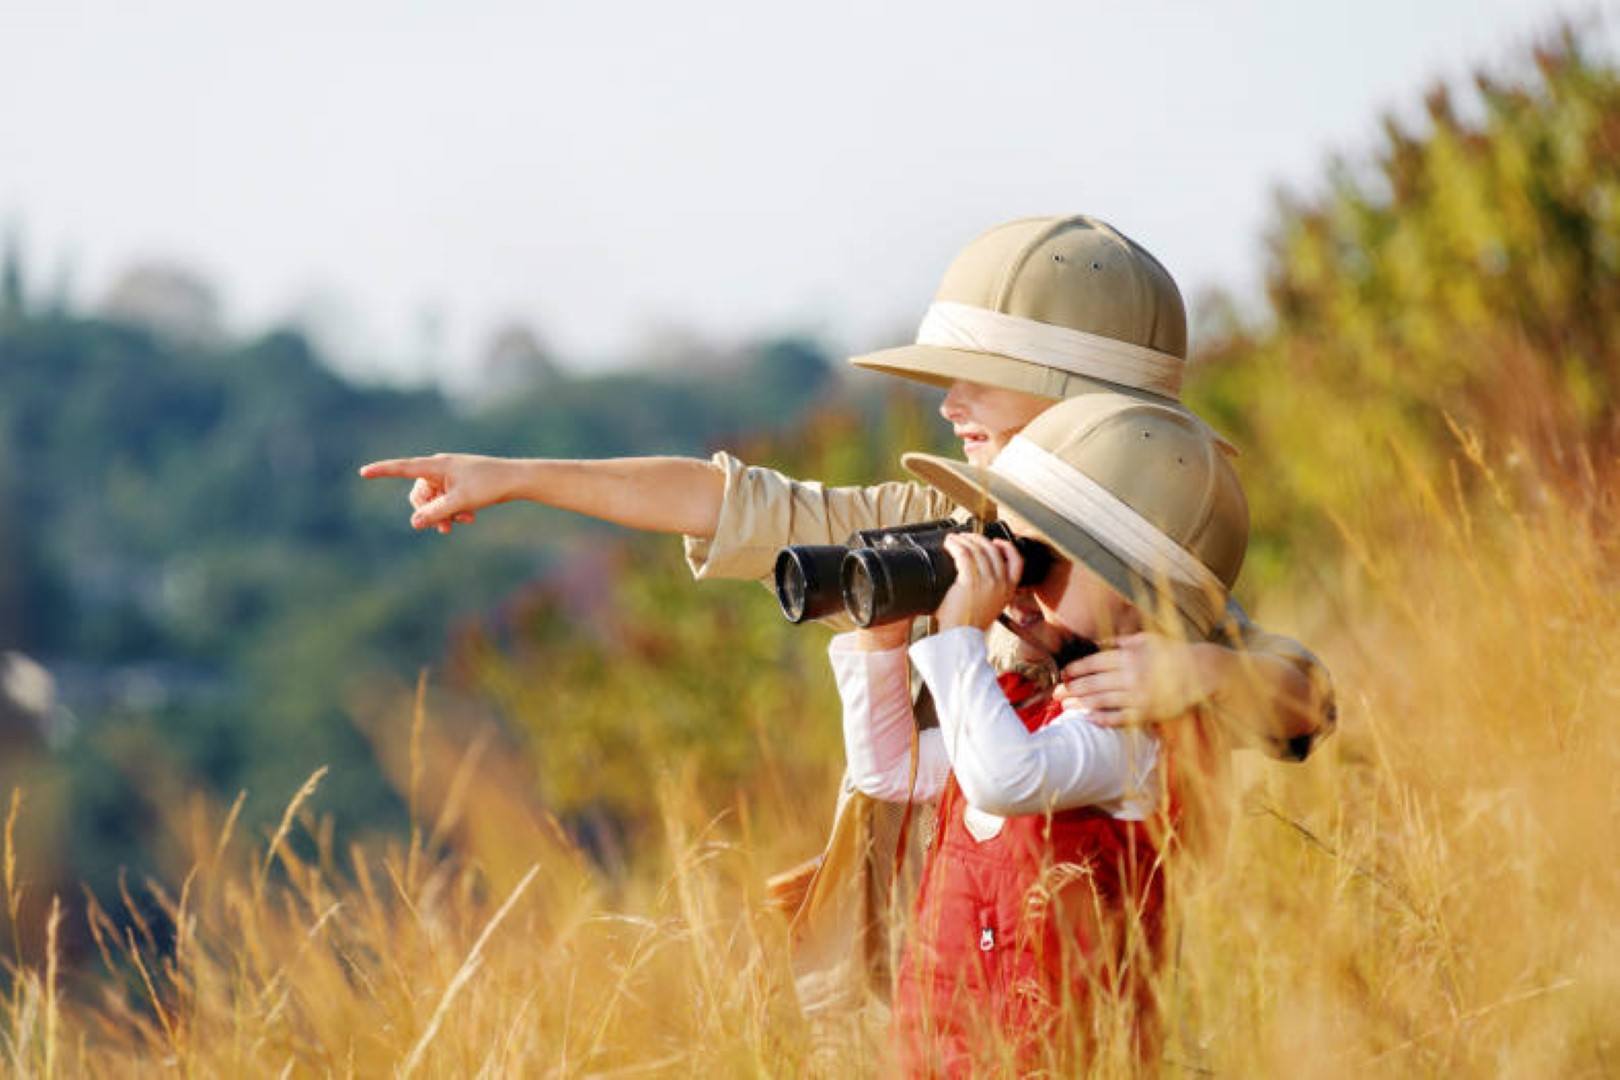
[1002, 767]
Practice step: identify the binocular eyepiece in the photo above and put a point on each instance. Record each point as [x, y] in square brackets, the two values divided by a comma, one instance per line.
[885, 574]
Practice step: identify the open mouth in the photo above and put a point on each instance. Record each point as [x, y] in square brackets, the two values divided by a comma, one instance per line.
[1022, 616]
[972, 439]
[1036, 632]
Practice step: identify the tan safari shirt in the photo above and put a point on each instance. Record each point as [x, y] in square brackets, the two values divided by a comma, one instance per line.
[764, 511]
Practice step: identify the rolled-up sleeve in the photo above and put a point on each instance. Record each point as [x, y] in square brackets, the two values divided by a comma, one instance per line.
[763, 511]
[1325, 709]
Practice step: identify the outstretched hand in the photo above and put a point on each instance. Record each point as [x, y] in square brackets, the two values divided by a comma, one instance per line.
[450, 489]
[1140, 679]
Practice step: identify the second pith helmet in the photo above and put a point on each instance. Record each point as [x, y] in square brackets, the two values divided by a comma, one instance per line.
[1138, 491]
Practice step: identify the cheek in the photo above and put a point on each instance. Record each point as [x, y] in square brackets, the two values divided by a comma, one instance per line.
[1048, 595]
[1127, 619]
[1082, 607]
[1000, 412]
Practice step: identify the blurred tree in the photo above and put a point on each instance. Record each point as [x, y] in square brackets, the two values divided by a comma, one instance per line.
[514, 361]
[12, 296]
[171, 301]
[786, 377]
[1469, 272]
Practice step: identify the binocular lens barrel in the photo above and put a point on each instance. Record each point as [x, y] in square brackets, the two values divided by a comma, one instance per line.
[806, 577]
[860, 591]
[880, 584]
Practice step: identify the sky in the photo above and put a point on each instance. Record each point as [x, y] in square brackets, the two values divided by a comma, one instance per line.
[405, 178]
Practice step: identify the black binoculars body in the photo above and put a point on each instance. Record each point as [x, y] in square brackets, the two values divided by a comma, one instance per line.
[885, 574]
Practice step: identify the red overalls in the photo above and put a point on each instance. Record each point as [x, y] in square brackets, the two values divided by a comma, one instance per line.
[1018, 935]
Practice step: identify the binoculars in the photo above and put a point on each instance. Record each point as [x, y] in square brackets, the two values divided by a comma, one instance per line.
[881, 575]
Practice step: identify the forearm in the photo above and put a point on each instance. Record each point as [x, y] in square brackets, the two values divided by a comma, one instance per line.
[879, 725]
[655, 494]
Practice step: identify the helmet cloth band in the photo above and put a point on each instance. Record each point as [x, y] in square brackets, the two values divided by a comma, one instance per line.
[1078, 498]
[963, 326]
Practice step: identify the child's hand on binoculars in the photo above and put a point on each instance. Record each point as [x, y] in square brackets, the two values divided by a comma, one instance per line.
[987, 573]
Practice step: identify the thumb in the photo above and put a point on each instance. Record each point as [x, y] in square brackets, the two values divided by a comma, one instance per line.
[437, 510]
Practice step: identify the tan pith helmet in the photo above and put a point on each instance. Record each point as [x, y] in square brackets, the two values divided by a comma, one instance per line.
[1138, 491]
[1051, 306]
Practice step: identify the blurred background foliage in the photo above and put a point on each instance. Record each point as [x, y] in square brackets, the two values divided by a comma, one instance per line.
[1462, 280]
[223, 605]
[189, 554]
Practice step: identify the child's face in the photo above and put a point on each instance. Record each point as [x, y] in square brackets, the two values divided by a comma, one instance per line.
[986, 417]
[1080, 603]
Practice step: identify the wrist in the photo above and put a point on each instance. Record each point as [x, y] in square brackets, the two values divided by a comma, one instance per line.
[521, 479]
[949, 618]
[882, 638]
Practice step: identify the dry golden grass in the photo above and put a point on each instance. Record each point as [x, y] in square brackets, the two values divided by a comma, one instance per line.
[1434, 893]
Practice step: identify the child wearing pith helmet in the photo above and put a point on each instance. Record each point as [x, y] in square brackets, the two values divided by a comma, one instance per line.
[1039, 918]
[1028, 313]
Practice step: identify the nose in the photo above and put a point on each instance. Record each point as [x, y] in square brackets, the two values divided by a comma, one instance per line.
[953, 408]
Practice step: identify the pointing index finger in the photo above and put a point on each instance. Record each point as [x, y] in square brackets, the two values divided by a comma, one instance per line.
[416, 468]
